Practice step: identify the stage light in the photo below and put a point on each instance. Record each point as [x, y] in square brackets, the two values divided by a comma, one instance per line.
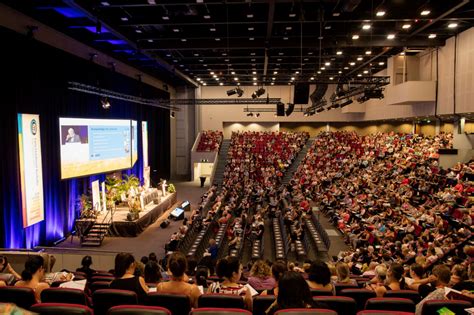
[237, 91]
[347, 102]
[258, 93]
[319, 110]
[290, 109]
[104, 101]
[250, 115]
[172, 115]
[257, 115]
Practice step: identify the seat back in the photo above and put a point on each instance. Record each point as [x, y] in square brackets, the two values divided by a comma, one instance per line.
[221, 301]
[261, 303]
[390, 304]
[21, 296]
[455, 306]
[105, 299]
[63, 295]
[305, 311]
[175, 303]
[61, 309]
[359, 295]
[340, 304]
[99, 285]
[341, 286]
[319, 292]
[219, 311]
[102, 278]
[406, 294]
[375, 312]
[138, 310]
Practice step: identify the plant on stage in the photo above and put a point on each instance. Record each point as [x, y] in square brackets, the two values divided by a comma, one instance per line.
[171, 188]
[130, 183]
[134, 207]
[114, 190]
[87, 211]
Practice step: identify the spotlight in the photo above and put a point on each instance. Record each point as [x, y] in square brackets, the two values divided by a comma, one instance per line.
[258, 93]
[249, 114]
[319, 110]
[104, 101]
[290, 109]
[346, 102]
[237, 91]
[172, 115]
[257, 115]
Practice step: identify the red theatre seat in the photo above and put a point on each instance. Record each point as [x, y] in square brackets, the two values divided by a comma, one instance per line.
[21, 296]
[261, 303]
[61, 309]
[305, 311]
[138, 310]
[105, 299]
[359, 295]
[221, 300]
[455, 306]
[319, 292]
[99, 285]
[375, 312]
[219, 311]
[341, 286]
[340, 304]
[390, 304]
[175, 303]
[406, 294]
[63, 295]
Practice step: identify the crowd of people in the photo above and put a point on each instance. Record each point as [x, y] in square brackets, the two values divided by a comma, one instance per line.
[210, 141]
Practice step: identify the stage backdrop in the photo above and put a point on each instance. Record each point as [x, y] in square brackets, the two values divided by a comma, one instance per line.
[34, 79]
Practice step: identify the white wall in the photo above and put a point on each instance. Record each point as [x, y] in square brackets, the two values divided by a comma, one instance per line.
[230, 127]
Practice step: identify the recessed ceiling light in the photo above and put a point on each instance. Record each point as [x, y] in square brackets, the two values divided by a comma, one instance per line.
[305, 59]
[312, 78]
[279, 59]
[432, 36]
[138, 31]
[292, 15]
[251, 38]
[254, 78]
[183, 39]
[125, 19]
[292, 78]
[249, 16]
[272, 83]
[174, 60]
[288, 28]
[254, 72]
[204, 83]
[352, 63]
[425, 12]
[339, 72]
[355, 36]
[212, 29]
[380, 13]
[201, 60]
[285, 38]
[196, 55]
[226, 60]
[381, 63]
[238, 83]
[105, 3]
[297, 72]
[402, 53]
[323, 68]
[366, 26]
[253, 59]
[250, 28]
[175, 30]
[281, 54]
[150, 40]
[236, 79]
[217, 39]
[310, 53]
[165, 17]
[319, 72]
[359, 58]
[224, 54]
[211, 72]
[327, 63]
[233, 72]
[368, 52]
[453, 25]
[338, 52]
[390, 36]
[220, 83]
[153, 2]
[255, 83]
[359, 75]
[366, 71]
[252, 54]
[207, 17]
[327, 27]
[168, 55]
[273, 79]
[406, 26]
[199, 79]
[204, 65]
[336, 14]
[346, 68]
[275, 72]
[331, 78]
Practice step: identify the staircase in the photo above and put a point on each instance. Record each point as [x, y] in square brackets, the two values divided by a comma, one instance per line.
[221, 162]
[95, 235]
[294, 166]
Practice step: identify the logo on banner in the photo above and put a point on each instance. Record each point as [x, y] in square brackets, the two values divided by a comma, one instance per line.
[34, 127]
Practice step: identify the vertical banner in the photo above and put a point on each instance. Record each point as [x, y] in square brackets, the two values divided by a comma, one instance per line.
[96, 195]
[146, 177]
[104, 199]
[31, 171]
[145, 144]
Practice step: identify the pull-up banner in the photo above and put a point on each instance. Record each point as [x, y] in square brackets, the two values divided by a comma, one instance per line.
[31, 171]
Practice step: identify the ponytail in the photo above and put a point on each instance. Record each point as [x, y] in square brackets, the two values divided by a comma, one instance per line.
[26, 275]
[32, 265]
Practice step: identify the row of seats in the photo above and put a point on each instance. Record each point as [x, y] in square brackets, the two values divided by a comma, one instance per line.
[280, 247]
[315, 238]
[300, 246]
[198, 243]
[350, 301]
[257, 249]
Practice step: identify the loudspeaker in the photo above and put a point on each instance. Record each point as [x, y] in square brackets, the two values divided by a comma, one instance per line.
[301, 94]
[280, 109]
[290, 109]
[165, 224]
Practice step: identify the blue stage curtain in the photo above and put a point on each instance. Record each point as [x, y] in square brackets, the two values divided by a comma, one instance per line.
[36, 77]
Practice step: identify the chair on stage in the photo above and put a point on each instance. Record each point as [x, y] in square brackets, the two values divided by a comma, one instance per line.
[221, 301]
[21, 296]
[61, 309]
[64, 296]
[175, 303]
[138, 310]
[105, 299]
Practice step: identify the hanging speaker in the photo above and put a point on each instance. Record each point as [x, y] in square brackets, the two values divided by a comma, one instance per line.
[280, 109]
[301, 93]
[290, 109]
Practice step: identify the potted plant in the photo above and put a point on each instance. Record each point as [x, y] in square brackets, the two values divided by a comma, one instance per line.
[86, 209]
[171, 188]
[134, 208]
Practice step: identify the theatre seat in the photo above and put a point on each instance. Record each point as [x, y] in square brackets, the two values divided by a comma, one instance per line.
[341, 286]
[61, 309]
[105, 299]
[99, 285]
[375, 312]
[406, 294]
[221, 300]
[340, 304]
[138, 310]
[318, 292]
[64, 295]
[219, 311]
[455, 306]
[21, 296]
[306, 311]
[390, 304]
[261, 303]
[175, 303]
[359, 295]
[102, 278]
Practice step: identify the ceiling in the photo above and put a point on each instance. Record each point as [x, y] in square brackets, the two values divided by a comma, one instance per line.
[255, 42]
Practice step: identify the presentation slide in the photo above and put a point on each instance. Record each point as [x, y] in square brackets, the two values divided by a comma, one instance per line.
[93, 146]
[134, 142]
[31, 169]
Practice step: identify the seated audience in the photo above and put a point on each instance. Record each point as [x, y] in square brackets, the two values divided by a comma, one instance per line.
[152, 273]
[260, 276]
[278, 269]
[125, 278]
[33, 275]
[443, 276]
[86, 264]
[394, 280]
[319, 276]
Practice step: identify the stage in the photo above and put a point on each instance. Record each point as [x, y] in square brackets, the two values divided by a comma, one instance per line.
[121, 227]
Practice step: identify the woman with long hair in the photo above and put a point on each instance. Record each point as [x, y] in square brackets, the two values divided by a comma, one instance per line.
[125, 279]
[395, 280]
[319, 276]
[278, 269]
[33, 275]
[260, 276]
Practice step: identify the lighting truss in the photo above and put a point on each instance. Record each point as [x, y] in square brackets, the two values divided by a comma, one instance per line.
[88, 89]
[222, 101]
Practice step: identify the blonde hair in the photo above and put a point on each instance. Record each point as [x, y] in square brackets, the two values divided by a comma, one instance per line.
[260, 269]
[342, 270]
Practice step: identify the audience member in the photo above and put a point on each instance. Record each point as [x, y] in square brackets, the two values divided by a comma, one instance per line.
[125, 278]
[32, 276]
[260, 276]
[86, 264]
